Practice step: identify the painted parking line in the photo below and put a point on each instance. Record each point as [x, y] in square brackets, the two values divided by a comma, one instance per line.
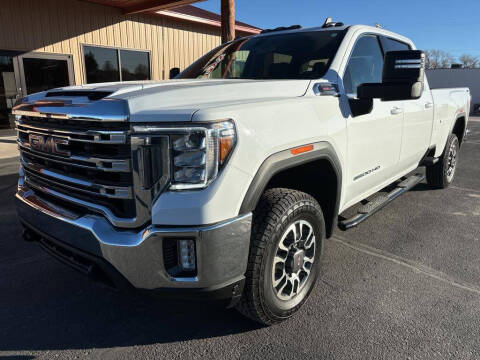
[464, 189]
[412, 265]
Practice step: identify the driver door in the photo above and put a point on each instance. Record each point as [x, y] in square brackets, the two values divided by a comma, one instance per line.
[374, 139]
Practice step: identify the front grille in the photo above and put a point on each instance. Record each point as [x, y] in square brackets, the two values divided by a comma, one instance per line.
[86, 163]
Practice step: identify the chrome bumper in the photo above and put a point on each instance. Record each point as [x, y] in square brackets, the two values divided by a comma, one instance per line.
[222, 249]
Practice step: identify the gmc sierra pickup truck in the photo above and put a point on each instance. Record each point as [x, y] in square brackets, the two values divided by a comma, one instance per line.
[224, 182]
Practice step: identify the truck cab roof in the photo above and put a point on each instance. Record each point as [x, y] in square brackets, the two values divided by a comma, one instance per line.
[350, 28]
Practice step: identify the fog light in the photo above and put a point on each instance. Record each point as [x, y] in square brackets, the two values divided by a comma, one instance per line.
[186, 255]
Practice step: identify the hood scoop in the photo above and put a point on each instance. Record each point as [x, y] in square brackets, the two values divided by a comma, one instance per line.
[90, 95]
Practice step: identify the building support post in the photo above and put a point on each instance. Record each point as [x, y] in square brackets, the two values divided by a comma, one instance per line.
[228, 20]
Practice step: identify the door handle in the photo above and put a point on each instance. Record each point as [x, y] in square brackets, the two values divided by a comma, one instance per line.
[396, 111]
[428, 105]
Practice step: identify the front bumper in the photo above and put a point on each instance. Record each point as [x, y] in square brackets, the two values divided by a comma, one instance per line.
[134, 259]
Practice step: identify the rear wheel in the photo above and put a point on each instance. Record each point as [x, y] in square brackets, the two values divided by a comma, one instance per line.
[286, 247]
[441, 174]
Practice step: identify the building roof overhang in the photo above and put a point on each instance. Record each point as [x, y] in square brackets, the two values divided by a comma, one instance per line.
[178, 9]
[140, 6]
[195, 14]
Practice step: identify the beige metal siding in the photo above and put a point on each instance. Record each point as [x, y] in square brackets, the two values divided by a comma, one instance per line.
[62, 26]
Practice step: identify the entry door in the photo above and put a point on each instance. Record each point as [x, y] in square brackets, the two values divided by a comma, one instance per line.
[374, 140]
[40, 71]
[417, 128]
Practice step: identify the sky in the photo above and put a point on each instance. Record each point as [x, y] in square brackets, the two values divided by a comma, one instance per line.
[448, 25]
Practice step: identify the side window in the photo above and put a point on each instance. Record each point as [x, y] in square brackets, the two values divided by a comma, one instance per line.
[393, 45]
[365, 64]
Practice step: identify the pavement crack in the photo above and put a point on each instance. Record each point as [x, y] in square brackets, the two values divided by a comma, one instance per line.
[412, 265]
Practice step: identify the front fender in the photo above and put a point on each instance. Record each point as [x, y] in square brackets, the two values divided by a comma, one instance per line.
[285, 160]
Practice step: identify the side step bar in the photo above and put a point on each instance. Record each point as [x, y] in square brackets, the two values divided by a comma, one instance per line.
[377, 203]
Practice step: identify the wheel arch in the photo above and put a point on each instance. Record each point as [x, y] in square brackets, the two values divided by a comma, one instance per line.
[320, 167]
[459, 126]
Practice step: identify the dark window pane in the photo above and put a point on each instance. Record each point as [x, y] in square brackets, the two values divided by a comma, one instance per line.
[101, 64]
[135, 65]
[45, 74]
[365, 64]
[393, 45]
[8, 89]
[300, 55]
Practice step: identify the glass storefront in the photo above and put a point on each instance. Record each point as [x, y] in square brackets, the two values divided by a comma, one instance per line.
[23, 73]
[8, 87]
[43, 74]
[28, 73]
[111, 64]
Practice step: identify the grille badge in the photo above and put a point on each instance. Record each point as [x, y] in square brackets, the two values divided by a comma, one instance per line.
[48, 144]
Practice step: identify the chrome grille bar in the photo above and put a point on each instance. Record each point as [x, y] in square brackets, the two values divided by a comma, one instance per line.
[93, 136]
[86, 204]
[114, 192]
[107, 165]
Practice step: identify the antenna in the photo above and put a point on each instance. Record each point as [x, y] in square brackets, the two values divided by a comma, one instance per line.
[379, 26]
[330, 23]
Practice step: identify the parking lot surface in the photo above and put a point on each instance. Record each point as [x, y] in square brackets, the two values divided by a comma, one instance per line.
[405, 284]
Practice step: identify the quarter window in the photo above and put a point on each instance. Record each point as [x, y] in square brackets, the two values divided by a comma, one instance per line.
[365, 64]
[108, 64]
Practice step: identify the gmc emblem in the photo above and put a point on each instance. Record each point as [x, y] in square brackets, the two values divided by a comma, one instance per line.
[48, 144]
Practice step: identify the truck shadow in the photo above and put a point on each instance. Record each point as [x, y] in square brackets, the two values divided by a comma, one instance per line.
[45, 305]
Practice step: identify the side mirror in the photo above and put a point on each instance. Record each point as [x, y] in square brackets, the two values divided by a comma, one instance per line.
[403, 77]
[174, 72]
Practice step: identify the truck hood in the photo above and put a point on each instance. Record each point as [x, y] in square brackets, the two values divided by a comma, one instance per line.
[172, 100]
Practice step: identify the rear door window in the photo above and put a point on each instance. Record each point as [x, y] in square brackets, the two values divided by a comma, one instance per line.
[390, 44]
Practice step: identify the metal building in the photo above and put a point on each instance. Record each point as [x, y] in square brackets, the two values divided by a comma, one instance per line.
[51, 43]
[448, 78]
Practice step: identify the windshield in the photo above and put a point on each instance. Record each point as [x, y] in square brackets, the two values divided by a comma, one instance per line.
[299, 55]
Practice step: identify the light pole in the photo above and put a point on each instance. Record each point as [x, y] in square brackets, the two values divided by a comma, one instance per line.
[228, 20]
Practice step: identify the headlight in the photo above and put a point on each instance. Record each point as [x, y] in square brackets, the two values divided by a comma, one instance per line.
[197, 152]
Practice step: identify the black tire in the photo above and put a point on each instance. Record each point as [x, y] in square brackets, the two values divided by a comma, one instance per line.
[278, 212]
[441, 175]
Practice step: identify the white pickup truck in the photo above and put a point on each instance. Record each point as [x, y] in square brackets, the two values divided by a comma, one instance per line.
[224, 182]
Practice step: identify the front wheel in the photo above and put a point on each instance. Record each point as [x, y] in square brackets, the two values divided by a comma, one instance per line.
[284, 261]
[441, 174]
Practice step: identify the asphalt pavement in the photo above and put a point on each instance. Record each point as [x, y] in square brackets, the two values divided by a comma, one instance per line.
[405, 284]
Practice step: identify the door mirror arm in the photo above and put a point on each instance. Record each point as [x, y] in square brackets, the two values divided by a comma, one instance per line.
[174, 72]
[360, 106]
